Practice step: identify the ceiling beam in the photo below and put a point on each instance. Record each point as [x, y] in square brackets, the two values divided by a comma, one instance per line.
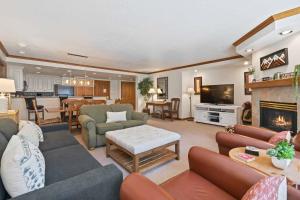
[267, 22]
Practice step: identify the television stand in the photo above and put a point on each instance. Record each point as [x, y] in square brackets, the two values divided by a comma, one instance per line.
[221, 115]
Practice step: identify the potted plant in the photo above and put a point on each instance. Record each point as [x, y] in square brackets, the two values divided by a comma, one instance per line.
[296, 80]
[282, 154]
[144, 87]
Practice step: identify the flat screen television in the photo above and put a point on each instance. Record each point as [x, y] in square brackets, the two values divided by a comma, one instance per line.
[217, 94]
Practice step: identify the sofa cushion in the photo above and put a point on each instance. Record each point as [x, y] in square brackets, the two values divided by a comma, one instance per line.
[190, 185]
[8, 128]
[57, 139]
[102, 128]
[67, 162]
[97, 112]
[132, 123]
[123, 107]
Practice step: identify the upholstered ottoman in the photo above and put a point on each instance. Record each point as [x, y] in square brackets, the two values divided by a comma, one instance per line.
[141, 147]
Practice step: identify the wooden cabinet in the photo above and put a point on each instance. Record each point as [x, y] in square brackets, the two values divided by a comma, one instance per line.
[84, 91]
[102, 88]
[89, 91]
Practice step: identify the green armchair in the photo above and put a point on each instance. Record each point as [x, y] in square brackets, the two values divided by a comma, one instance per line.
[93, 122]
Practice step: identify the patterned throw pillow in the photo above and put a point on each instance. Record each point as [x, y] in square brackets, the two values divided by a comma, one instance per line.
[34, 128]
[284, 135]
[27, 133]
[269, 188]
[22, 167]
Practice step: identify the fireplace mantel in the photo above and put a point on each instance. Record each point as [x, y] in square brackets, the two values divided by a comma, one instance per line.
[271, 83]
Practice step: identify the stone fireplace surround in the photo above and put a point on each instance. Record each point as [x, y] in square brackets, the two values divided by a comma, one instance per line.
[276, 94]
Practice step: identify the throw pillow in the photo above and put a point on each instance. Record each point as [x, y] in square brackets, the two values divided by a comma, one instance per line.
[22, 167]
[29, 134]
[284, 135]
[35, 128]
[116, 116]
[269, 188]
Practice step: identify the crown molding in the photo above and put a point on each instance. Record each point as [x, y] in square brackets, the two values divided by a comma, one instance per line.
[115, 69]
[198, 64]
[267, 22]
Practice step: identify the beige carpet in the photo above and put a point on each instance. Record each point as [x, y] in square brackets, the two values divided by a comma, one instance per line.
[193, 134]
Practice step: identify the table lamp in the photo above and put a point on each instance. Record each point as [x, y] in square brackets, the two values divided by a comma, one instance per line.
[152, 92]
[190, 91]
[7, 86]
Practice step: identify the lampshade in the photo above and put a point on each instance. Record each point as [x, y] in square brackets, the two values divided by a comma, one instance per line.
[152, 91]
[159, 91]
[7, 85]
[190, 90]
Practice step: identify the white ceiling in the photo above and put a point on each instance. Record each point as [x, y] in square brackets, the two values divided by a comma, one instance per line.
[135, 35]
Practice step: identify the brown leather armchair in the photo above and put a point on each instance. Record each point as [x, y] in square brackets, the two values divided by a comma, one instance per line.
[246, 136]
[211, 176]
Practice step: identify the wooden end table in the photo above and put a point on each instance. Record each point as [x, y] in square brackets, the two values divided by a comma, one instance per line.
[263, 165]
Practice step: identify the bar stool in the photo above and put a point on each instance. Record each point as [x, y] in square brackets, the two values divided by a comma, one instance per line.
[30, 109]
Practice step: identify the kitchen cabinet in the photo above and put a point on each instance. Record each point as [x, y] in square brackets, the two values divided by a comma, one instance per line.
[84, 91]
[15, 72]
[41, 83]
[102, 88]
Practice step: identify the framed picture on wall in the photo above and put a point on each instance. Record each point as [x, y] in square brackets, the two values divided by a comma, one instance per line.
[197, 85]
[246, 80]
[276, 59]
[162, 84]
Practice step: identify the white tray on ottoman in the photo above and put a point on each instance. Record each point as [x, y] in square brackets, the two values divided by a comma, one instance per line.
[140, 147]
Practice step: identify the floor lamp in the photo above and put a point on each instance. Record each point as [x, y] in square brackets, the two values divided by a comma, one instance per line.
[190, 91]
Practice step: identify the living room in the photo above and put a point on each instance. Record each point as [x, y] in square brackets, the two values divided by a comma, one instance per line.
[135, 100]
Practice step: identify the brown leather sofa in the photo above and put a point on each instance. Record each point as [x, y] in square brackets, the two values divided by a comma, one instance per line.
[247, 136]
[211, 176]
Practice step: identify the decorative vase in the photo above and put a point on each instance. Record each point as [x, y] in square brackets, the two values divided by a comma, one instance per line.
[281, 163]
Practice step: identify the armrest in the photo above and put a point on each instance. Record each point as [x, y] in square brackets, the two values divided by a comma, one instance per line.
[54, 127]
[227, 141]
[254, 132]
[84, 120]
[88, 130]
[101, 183]
[233, 177]
[136, 187]
[140, 116]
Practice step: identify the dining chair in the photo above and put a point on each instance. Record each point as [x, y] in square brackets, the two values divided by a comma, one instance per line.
[41, 121]
[173, 109]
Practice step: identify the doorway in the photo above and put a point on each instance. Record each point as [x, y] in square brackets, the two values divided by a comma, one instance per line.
[128, 92]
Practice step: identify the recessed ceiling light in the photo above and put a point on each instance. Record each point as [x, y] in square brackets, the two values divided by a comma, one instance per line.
[38, 72]
[249, 50]
[38, 68]
[69, 71]
[195, 70]
[246, 62]
[21, 44]
[94, 73]
[286, 32]
[22, 52]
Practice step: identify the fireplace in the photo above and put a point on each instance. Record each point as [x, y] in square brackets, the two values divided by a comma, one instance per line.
[278, 116]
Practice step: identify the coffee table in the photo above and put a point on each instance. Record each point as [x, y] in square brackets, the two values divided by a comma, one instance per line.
[263, 164]
[141, 147]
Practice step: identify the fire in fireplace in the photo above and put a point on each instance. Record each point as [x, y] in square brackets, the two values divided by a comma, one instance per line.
[278, 116]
